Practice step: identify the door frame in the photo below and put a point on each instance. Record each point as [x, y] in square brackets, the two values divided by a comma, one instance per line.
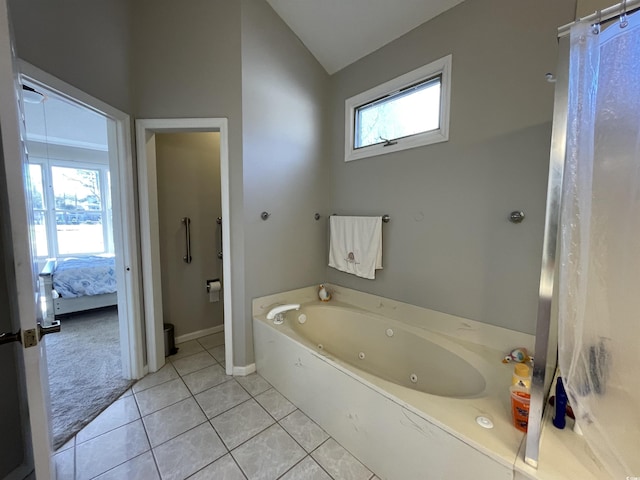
[124, 216]
[146, 129]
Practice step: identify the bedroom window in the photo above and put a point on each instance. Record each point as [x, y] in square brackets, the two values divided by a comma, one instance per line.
[72, 208]
[409, 111]
[78, 210]
[38, 200]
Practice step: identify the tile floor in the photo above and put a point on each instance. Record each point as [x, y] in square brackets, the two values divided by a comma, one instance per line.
[191, 420]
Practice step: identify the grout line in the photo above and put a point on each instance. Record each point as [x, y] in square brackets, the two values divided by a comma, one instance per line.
[120, 464]
[294, 465]
[245, 441]
[75, 438]
[175, 436]
[74, 457]
[238, 465]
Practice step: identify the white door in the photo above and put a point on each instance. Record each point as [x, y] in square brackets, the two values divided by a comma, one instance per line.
[19, 271]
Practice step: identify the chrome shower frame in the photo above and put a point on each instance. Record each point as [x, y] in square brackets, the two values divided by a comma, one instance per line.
[546, 345]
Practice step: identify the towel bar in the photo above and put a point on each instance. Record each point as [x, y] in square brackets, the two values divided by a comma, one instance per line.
[385, 218]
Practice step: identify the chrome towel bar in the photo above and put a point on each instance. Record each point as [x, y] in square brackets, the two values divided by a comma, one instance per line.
[385, 218]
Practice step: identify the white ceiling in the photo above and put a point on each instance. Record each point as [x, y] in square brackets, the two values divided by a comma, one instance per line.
[57, 121]
[339, 32]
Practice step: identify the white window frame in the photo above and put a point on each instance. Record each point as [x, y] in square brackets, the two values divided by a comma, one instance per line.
[441, 68]
[50, 211]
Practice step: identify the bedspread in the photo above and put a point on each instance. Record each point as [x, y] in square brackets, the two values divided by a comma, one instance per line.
[79, 276]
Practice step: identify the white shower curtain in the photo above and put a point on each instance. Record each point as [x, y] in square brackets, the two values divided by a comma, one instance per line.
[599, 281]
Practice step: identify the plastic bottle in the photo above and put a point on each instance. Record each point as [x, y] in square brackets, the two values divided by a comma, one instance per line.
[520, 403]
[520, 395]
[521, 376]
[559, 420]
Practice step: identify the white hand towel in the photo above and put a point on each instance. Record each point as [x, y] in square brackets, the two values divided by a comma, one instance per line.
[355, 245]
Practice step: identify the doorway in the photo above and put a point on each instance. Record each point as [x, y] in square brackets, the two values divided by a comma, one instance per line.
[80, 188]
[154, 139]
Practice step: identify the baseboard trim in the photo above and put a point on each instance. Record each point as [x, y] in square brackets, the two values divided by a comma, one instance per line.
[200, 333]
[244, 371]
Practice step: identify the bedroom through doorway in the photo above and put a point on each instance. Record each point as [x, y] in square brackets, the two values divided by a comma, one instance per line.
[75, 251]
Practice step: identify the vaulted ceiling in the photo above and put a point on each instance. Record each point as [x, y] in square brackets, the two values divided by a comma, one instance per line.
[339, 32]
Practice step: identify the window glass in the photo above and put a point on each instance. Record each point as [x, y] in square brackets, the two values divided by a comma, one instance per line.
[408, 111]
[78, 210]
[39, 202]
[411, 111]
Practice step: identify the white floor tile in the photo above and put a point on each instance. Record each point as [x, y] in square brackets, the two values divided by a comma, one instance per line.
[206, 378]
[120, 412]
[268, 455]
[187, 453]
[142, 467]
[102, 453]
[163, 375]
[71, 443]
[307, 469]
[185, 349]
[194, 362]
[224, 468]
[128, 392]
[221, 398]
[275, 403]
[241, 423]
[218, 353]
[171, 421]
[340, 464]
[306, 432]
[254, 384]
[161, 396]
[65, 464]
[213, 340]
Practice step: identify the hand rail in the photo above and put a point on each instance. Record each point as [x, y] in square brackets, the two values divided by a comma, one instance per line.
[187, 223]
[219, 222]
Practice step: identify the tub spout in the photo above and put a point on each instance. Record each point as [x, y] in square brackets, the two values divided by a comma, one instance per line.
[277, 313]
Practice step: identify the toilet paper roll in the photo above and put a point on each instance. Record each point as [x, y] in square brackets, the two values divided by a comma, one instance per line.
[214, 288]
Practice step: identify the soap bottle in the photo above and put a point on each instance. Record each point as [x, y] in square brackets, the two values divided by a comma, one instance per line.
[559, 420]
[521, 376]
[520, 396]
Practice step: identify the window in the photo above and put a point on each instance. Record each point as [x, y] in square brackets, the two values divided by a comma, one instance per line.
[409, 111]
[71, 206]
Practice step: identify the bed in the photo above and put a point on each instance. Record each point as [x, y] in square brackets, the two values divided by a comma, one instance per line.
[76, 284]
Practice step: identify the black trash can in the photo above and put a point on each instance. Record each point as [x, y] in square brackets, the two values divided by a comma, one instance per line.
[169, 340]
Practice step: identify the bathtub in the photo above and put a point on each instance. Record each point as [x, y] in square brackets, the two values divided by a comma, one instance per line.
[407, 390]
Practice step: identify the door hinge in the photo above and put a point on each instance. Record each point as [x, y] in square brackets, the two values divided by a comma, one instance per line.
[29, 338]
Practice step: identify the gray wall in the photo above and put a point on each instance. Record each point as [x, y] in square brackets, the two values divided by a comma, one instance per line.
[186, 63]
[449, 245]
[283, 112]
[586, 7]
[188, 171]
[86, 44]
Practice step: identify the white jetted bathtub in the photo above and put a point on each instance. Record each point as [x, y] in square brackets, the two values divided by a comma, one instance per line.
[401, 387]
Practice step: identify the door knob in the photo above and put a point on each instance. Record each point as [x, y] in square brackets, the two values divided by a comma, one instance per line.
[8, 337]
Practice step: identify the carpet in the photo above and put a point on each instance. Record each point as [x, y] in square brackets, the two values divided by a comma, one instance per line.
[85, 370]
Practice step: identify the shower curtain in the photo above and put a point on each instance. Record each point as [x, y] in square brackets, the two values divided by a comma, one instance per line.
[599, 277]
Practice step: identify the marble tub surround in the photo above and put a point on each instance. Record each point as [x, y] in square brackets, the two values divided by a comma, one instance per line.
[203, 425]
[392, 414]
